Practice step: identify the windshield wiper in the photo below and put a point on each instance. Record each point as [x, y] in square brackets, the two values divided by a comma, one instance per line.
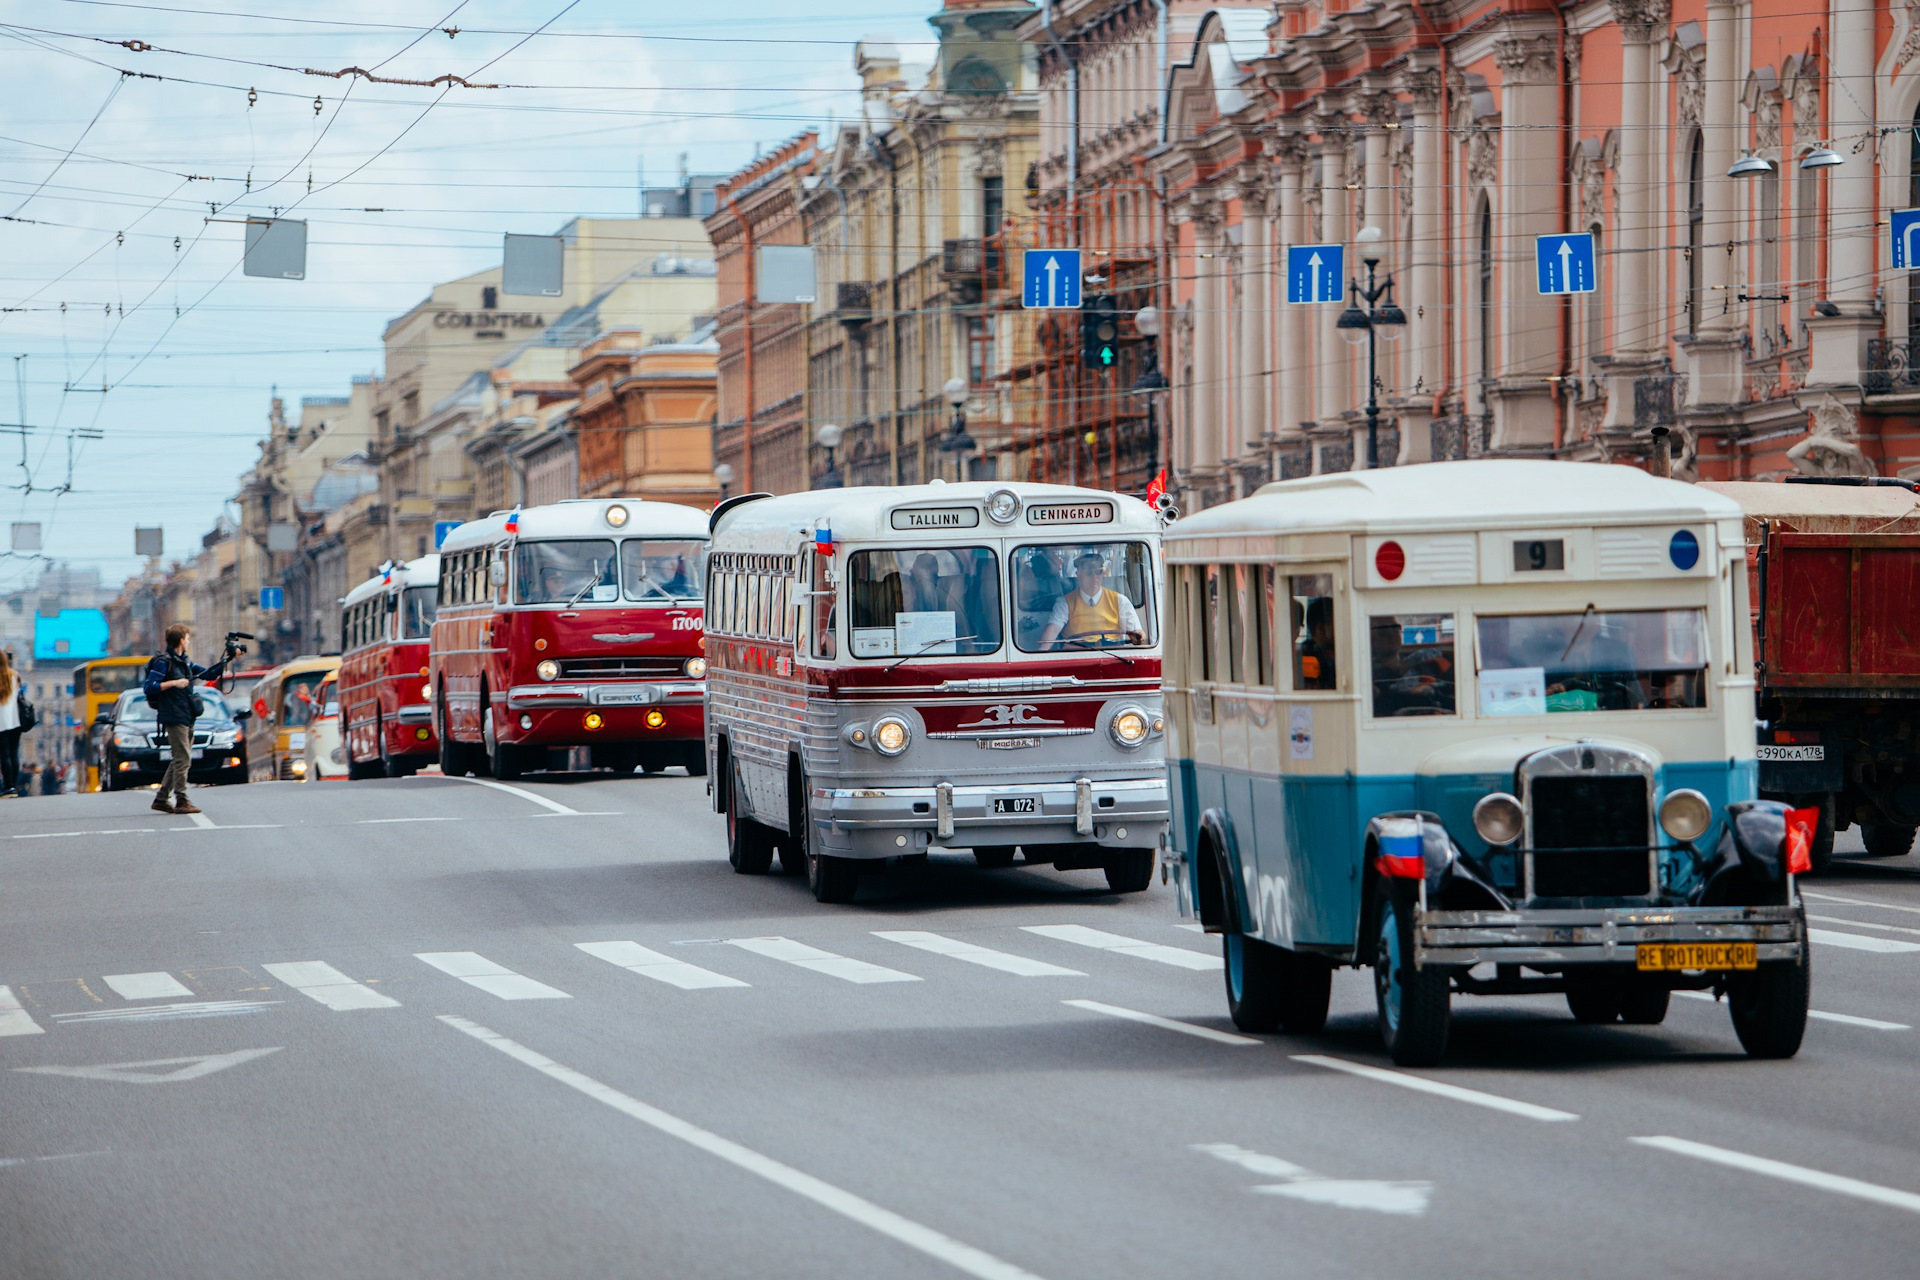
[928, 645]
[1098, 648]
[593, 580]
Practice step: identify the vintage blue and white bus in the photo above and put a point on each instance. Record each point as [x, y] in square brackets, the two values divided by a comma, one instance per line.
[1485, 727]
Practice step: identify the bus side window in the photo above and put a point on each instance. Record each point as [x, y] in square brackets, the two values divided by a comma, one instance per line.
[1263, 624]
[824, 614]
[1236, 623]
[1311, 619]
[1210, 667]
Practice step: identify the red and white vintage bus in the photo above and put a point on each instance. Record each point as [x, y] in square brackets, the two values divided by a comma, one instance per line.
[386, 704]
[899, 671]
[574, 624]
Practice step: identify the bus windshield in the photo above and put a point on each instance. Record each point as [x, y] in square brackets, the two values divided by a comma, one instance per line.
[931, 600]
[661, 571]
[115, 679]
[1540, 664]
[1082, 595]
[300, 698]
[571, 572]
[416, 612]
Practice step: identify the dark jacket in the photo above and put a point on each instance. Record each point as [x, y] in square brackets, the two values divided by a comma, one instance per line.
[176, 706]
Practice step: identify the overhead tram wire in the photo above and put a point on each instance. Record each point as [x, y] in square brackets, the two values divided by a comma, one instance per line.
[68, 155]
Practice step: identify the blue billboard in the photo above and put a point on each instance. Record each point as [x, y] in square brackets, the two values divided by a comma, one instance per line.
[77, 635]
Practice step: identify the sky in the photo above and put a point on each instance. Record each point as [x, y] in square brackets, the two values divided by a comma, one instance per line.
[137, 347]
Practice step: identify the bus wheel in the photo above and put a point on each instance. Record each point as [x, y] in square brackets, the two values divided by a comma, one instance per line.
[1769, 1007]
[1255, 982]
[1886, 839]
[1413, 1005]
[1129, 870]
[455, 757]
[695, 759]
[995, 855]
[1595, 997]
[749, 844]
[832, 879]
[503, 757]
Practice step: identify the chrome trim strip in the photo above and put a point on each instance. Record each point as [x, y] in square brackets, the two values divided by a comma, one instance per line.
[1009, 731]
[419, 713]
[1008, 684]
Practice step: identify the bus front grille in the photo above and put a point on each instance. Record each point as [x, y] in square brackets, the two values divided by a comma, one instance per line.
[1590, 837]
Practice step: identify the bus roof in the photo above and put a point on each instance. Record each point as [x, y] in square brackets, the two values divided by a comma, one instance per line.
[1475, 494]
[581, 518]
[865, 514]
[423, 572]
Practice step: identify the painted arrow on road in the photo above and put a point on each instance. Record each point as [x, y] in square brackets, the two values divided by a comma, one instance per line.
[157, 1070]
[1408, 1199]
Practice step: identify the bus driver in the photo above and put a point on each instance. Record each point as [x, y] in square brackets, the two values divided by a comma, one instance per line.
[1092, 613]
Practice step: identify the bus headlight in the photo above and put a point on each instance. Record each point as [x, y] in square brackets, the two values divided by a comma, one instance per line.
[1685, 814]
[1498, 818]
[1002, 506]
[1130, 727]
[697, 668]
[548, 669]
[617, 516]
[891, 735]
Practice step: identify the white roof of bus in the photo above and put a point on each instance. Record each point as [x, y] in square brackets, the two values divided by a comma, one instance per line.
[862, 514]
[1476, 494]
[424, 572]
[583, 518]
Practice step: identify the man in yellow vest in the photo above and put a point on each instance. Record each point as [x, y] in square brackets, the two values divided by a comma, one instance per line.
[1091, 613]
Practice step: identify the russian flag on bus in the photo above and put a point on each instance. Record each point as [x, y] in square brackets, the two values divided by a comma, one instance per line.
[513, 521]
[823, 537]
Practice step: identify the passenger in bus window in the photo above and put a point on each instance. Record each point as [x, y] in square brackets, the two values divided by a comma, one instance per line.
[928, 592]
[1093, 613]
[1313, 644]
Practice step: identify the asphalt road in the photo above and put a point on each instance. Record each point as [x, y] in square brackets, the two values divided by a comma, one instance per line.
[431, 1028]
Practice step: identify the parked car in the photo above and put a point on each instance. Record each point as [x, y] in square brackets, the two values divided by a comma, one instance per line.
[133, 748]
[325, 751]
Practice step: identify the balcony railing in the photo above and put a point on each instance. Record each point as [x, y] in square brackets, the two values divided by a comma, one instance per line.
[1890, 366]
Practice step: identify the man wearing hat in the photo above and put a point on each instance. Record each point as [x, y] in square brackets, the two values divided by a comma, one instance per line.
[1093, 613]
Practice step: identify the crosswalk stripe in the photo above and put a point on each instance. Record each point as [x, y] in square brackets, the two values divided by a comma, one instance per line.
[1860, 942]
[635, 958]
[1082, 936]
[318, 980]
[476, 970]
[985, 956]
[806, 957]
[15, 1021]
[146, 986]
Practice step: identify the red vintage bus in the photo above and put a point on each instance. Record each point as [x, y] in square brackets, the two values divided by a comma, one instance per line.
[386, 706]
[575, 624]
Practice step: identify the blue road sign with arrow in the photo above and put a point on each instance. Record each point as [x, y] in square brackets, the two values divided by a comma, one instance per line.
[1315, 272]
[1050, 278]
[272, 599]
[1905, 229]
[1564, 264]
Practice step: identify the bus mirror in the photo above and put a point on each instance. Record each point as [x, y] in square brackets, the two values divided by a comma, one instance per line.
[497, 573]
[243, 714]
[104, 716]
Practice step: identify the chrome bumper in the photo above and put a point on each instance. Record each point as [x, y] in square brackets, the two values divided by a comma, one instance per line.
[419, 713]
[535, 697]
[1598, 935]
[884, 822]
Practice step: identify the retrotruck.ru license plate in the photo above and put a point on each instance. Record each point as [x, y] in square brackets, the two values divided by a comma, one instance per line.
[1697, 955]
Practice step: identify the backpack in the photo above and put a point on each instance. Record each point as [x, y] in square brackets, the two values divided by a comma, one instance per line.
[28, 716]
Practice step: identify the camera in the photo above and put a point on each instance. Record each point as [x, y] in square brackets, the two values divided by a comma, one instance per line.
[234, 647]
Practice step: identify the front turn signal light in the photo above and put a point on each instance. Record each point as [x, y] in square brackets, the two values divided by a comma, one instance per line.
[592, 720]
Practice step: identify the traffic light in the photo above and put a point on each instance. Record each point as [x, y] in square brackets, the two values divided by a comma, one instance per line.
[1099, 332]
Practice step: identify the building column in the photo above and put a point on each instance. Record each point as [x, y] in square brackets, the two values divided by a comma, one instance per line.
[1636, 238]
[1251, 423]
[1716, 362]
[1293, 365]
[1424, 297]
[1840, 342]
[1209, 353]
[1528, 340]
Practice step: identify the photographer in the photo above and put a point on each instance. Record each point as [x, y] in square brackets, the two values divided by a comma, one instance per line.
[169, 689]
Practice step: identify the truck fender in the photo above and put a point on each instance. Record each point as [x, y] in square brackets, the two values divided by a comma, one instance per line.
[1216, 875]
[1452, 882]
[1749, 868]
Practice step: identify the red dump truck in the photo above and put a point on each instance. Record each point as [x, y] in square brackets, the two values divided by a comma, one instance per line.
[1833, 580]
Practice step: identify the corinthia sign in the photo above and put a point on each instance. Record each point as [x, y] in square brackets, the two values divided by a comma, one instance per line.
[489, 323]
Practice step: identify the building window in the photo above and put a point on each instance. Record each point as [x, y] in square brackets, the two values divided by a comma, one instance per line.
[1696, 215]
[993, 205]
[1596, 310]
[1486, 300]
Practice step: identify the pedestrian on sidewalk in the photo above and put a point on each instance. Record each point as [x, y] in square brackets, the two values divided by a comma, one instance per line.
[10, 729]
[169, 689]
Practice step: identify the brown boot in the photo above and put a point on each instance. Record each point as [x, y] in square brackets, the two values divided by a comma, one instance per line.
[162, 805]
[184, 805]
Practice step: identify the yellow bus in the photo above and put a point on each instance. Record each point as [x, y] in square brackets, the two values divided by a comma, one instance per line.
[95, 685]
[283, 703]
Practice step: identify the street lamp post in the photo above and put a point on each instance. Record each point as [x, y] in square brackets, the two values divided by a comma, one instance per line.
[723, 476]
[1151, 381]
[957, 440]
[828, 438]
[1385, 321]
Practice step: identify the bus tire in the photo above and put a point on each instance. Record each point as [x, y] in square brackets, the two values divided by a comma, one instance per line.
[1256, 982]
[456, 758]
[1769, 1007]
[503, 758]
[1596, 996]
[1644, 1003]
[1129, 870]
[832, 879]
[749, 843]
[1886, 839]
[695, 759]
[1414, 1006]
[793, 845]
[995, 856]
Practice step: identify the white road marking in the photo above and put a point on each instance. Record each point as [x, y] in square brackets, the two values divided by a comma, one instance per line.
[14, 1020]
[1082, 936]
[164, 1012]
[1787, 1172]
[1420, 1084]
[230, 826]
[1859, 902]
[68, 835]
[1165, 1024]
[146, 986]
[1851, 1020]
[524, 794]
[318, 980]
[942, 1248]
[635, 958]
[1004, 961]
[375, 822]
[476, 970]
[799, 953]
[1860, 942]
[1379, 1195]
[192, 1068]
[1865, 924]
[201, 821]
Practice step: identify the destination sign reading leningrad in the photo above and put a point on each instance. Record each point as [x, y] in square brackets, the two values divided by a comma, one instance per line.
[1071, 513]
[937, 518]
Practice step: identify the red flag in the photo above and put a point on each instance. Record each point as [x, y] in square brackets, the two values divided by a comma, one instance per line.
[1157, 488]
